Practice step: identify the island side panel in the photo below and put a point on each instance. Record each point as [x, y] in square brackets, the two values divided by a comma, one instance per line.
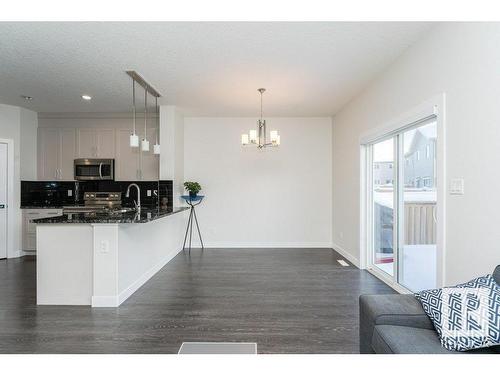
[64, 264]
[144, 249]
[105, 290]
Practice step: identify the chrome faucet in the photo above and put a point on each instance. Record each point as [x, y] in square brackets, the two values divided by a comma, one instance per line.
[137, 203]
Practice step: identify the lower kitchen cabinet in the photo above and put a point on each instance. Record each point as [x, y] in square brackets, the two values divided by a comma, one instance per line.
[29, 228]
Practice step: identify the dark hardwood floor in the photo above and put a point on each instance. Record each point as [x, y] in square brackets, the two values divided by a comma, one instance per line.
[286, 300]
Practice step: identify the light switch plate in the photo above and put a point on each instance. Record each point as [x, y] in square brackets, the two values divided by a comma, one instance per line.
[149, 193]
[457, 186]
[70, 193]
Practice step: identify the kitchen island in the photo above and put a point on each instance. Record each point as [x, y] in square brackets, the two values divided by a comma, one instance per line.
[101, 259]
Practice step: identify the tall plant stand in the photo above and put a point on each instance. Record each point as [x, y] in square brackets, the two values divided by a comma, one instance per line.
[192, 202]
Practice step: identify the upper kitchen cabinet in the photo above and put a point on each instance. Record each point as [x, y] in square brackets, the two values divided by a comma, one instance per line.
[131, 163]
[127, 162]
[150, 162]
[96, 143]
[56, 152]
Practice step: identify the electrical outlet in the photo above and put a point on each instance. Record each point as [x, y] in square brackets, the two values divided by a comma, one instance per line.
[104, 246]
[149, 193]
[70, 193]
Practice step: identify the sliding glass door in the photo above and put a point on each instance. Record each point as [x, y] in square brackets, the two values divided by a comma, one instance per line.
[402, 206]
[383, 178]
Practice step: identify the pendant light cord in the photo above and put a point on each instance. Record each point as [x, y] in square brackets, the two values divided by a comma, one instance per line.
[157, 118]
[145, 113]
[261, 112]
[133, 102]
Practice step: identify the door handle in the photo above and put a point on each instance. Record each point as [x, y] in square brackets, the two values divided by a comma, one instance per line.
[100, 170]
[2, 206]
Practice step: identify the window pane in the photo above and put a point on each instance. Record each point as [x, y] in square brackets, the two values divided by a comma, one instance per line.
[383, 200]
[417, 257]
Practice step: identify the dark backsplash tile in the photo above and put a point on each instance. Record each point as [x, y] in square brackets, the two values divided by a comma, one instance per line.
[47, 193]
[55, 193]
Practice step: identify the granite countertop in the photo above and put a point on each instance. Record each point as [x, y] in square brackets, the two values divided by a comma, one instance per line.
[145, 216]
[41, 207]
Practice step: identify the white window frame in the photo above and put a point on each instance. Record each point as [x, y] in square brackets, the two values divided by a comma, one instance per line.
[433, 107]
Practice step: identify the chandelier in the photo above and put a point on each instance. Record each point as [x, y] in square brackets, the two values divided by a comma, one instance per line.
[259, 137]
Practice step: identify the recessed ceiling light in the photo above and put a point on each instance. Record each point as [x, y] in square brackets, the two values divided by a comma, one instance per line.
[25, 97]
[86, 97]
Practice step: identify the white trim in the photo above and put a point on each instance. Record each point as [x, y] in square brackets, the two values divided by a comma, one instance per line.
[91, 115]
[11, 252]
[351, 258]
[264, 245]
[435, 106]
[132, 288]
[105, 301]
[388, 280]
[429, 108]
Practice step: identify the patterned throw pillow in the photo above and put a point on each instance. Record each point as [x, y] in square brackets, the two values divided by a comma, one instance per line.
[466, 316]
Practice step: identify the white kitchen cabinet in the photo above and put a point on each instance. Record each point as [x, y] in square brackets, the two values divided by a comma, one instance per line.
[58, 147]
[68, 151]
[29, 228]
[56, 152]
[86, 143]
[149, 161]
[127, 162]
[106, 143]
[96, 143]
[133, 164]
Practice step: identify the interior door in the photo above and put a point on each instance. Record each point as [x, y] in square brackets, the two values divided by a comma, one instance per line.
[3, 200]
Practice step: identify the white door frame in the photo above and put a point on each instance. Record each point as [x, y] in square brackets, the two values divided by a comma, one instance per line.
[10, 197]
[432, 107]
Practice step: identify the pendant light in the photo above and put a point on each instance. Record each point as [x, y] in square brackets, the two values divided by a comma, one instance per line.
[134, 138]
[145, 142]
[156, 146]
[259, 137]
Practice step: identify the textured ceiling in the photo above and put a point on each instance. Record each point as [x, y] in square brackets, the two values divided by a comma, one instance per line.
[208, 69]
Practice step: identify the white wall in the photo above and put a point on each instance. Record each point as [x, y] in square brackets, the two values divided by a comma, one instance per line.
[271, 198]
[172, 149]
[18, 125]
[461, 60]
[28, 149]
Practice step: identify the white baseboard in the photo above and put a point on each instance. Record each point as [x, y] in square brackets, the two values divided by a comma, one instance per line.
[265, 245]
[346, 255]
[105, 301]
[14, 254]
[132, 288]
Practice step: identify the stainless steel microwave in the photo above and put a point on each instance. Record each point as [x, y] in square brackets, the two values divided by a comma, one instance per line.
[94, 169]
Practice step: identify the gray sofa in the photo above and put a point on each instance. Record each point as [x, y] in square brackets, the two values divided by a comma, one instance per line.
[396, 323]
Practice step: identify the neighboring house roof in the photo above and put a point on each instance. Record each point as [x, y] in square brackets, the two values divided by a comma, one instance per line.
[420, 135]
